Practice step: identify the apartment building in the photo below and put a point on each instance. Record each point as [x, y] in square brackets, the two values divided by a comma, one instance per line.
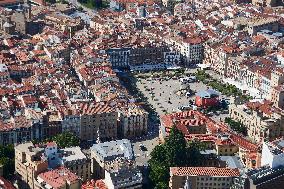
[133, 122]
[276, 83]
[225, 146]
[29, 164]
[257, 24]
[59, 178]
[119, 57]
[202, 177]
[98, 122]
[31, 160]
[261, 119]
[71, 122]
[148, 57]
[191, 48]
[170, 4]
[105, 155]
[77, 162]
[20, 129]
[124, 177]
[216, 55]
[52, 124]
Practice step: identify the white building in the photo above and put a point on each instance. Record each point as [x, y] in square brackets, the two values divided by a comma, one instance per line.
[272, 155]
[104, 155]
[133, 122]
[123, 178]
[191, 49]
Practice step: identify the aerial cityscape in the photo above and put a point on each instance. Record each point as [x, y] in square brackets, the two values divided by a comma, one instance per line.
[141, 94]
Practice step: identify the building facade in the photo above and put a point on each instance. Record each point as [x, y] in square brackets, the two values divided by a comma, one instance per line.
[202, 177]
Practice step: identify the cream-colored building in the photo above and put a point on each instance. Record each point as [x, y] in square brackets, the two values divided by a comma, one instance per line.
[277, 90]
[202, 177]
[225, 146]
[29, 164]
[216, 56]
[262, 120]
[98, 122]
[77, 162]
[32, 160]
[133, 122]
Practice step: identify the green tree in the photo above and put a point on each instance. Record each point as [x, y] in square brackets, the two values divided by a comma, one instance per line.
[66, 139]
[174, 152]
[7, 156]
[175, 148]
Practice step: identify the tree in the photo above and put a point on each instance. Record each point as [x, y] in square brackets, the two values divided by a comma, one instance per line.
[66, 139]
[173, 153]
[176, 148]
[7, 159]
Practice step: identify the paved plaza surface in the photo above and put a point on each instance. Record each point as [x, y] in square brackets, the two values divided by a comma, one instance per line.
[164, 96]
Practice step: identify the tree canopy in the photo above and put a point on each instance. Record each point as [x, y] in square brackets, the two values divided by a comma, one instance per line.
[65, 139]
[174, 152]
[7, 160]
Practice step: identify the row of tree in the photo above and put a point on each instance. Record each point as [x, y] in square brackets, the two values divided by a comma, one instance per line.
[226, 89]
[63, 140]
[236, 126]
[175, 152]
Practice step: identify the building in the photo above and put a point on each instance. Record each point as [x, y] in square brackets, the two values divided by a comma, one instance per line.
[21, 128]
[263, 178]
[170, 4]
[5, 184]
[77, 162]
[217, 56]
[29, 164]
[261, 119]
[264, 3]
[119, 57]
[98, 122]
[148, 57]
[31, 160]
[19, 20]
[257, 24]
[272, 153]
[103, 154]
[191, 49]
[225, 146]
[188, 122]
[202, 177]
[123, 178]
[207, 98]
[133, 122]
[60, 178]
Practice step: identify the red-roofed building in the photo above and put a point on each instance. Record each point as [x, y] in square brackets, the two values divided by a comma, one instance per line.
[202, 177]
[98, 184]
[5, 184]
[188, 122]
[58, 179]
[225, 146]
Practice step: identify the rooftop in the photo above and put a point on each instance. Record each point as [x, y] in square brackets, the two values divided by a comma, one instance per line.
[114, 149]
[57, 178]
[204, 171]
